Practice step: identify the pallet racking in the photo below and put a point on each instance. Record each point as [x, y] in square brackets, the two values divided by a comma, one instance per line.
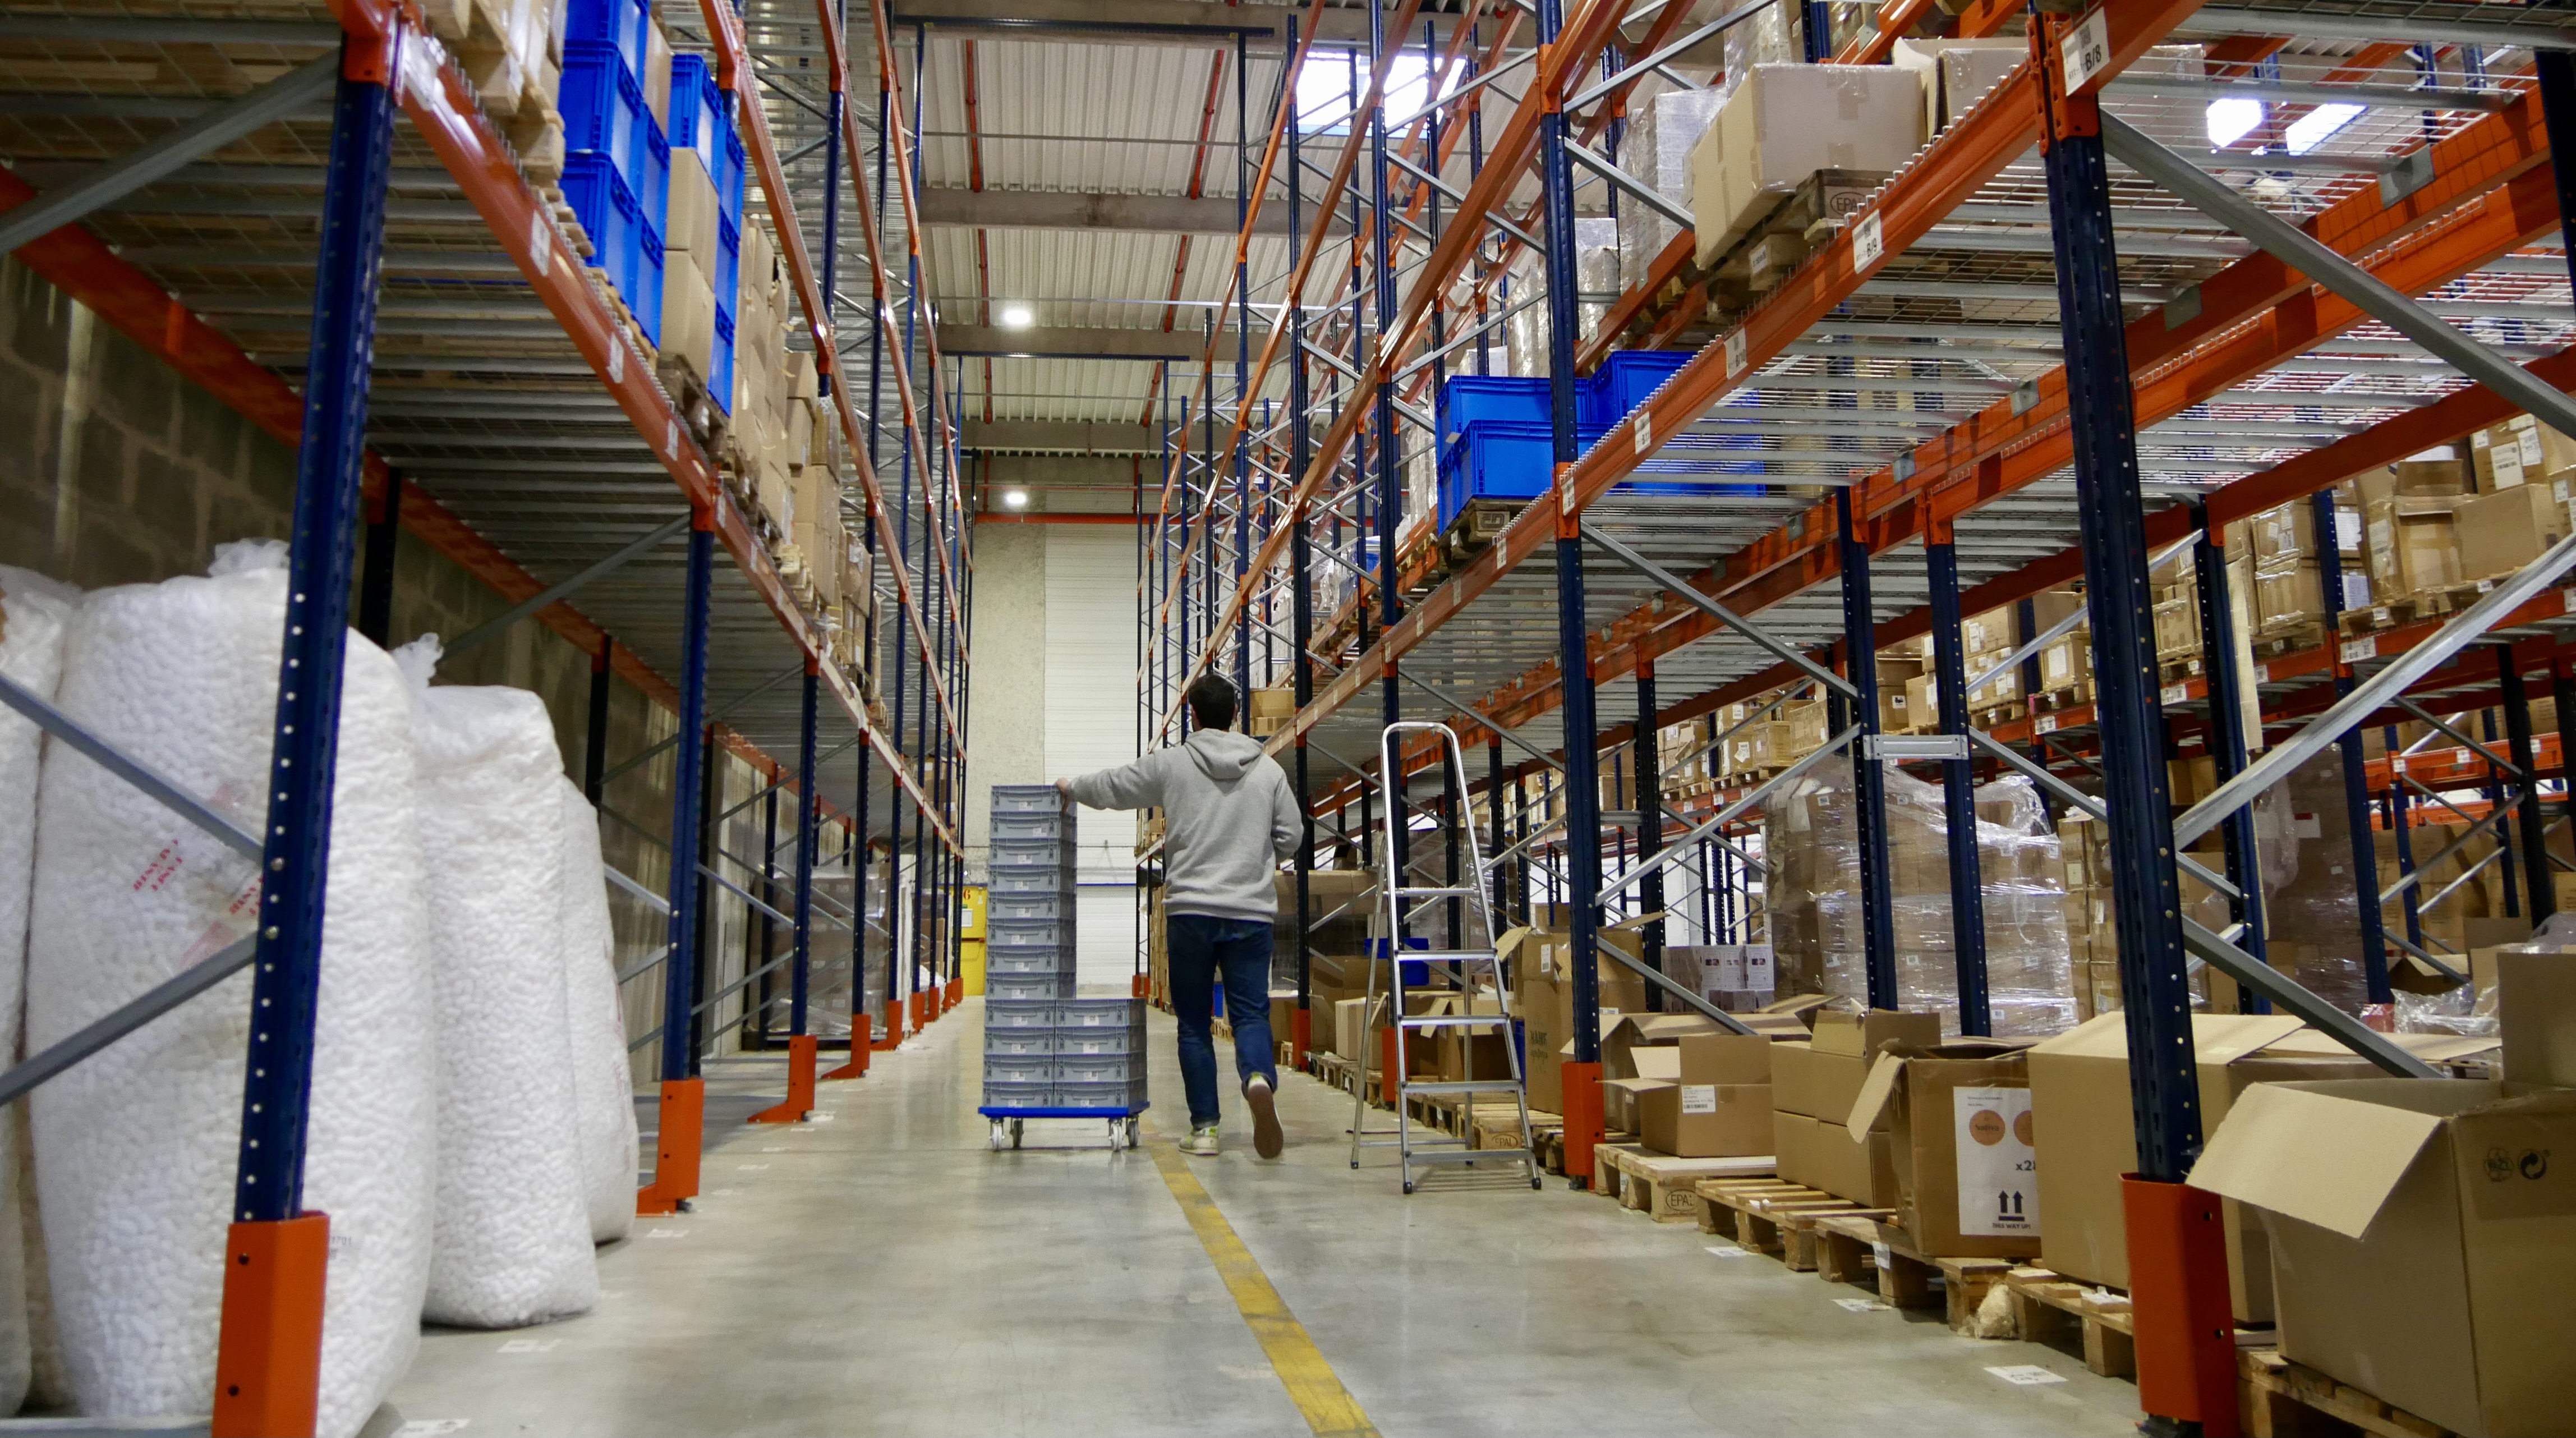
[311, 213]
[2054, 281]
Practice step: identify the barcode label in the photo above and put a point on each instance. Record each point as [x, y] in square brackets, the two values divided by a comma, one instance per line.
[2045, 724]
[2176, 693]
[2086, 50]
[1645, 433]
[1735, 354]
[2355, 649]
[1869, 242]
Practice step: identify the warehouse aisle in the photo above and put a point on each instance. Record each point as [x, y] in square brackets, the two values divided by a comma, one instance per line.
[880, 1271]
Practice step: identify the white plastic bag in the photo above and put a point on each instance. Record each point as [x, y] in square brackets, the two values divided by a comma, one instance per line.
[513, 1228]
[136, 1149]
[34, 612]
[603, 1078]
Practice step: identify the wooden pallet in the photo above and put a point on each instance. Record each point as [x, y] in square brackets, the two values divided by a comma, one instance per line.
[2282, 1399]
[1478, 522]
[2047, 1308]
[2181, 669]
[1664, 1187]
[2060, 700]
[2297, 639]
[2009, 712]
[1779, 1218]
[1854, 1245]
[1503, 1129]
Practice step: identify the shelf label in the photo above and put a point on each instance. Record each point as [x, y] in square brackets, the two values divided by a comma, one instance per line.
[2176, 693]
[1869, 242]
[2086, 49]
[1645, 432]
[671, 438]
[616, 360]
[2045, 724]
[540, 241]
[1735, 354]
[2355, 650]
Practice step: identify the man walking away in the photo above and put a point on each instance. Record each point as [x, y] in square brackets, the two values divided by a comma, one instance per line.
[1229, 818]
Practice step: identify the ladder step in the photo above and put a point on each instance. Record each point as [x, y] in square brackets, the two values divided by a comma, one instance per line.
[1472, 1155]
[1453, 1021]
[1495, 1085]
[1437, 893]
[1478, 956]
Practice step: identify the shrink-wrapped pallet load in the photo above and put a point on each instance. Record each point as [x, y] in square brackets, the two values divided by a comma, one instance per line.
[34, 613]
[136, 1149]
[513, 1229]
[603, 1081]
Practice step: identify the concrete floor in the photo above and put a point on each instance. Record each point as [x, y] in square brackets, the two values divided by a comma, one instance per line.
[880, 1270]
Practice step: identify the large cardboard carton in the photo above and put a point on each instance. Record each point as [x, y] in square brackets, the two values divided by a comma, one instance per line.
[2501, 532]
[1823, 1156]
[2423, 1242]
[1786, 122]
[1458, 1054]
[1956, 73]
[1957, 1119]
[1634, 1031]
[1719, 1103]
[2087, 1135]
[1827, 1076]
[1351, 1037]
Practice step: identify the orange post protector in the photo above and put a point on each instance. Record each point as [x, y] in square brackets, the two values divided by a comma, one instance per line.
[268, 1361]
[801, 1052]
[1582, 1084]
[676, 1148]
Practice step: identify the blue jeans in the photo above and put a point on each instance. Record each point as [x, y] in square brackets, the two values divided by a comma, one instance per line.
[1202, 948]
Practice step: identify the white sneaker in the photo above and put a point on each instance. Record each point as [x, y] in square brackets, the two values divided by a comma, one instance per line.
[1201, 1143]
[1267, 1140]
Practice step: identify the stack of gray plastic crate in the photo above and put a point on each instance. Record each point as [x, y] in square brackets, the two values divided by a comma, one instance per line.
[1043, 1047]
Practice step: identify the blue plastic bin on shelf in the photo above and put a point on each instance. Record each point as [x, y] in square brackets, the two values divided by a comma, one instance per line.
[1496, 459]
[617, 24]
[697, 108]
[1622, 383]
[728, 276]
[1468, 399]
[606, 208]
[651, 177]
[602, 106]
[728, 173]
[720, 381]
[645, 298]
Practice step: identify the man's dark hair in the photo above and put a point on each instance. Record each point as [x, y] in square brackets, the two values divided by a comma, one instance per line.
[1212, 703]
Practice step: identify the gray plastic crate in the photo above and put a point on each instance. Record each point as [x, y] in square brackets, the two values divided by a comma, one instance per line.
[1048, 904]
[1032, 959]
[1050, 826]
[1019, 1042]
[1099, 1042]
[1047, 878]
[1101, 1013]
[1015, 852]
[1030, 799]
[1002, 933]
[1019, 1068]
[1027, 986]
[1098, 1068]
[1019, 1095]
[1001, 1013]
[1121, 1094]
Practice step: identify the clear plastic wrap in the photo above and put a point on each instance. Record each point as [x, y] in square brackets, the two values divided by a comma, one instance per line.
[2311, 915]
[1814, 898]
[1596, 279]
[1663, 129]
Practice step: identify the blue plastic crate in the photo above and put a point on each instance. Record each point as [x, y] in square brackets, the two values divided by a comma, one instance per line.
[1623, 382]
[645, 299]
[1468, 399]
[728, 173]
[606, 208]
[1496, 459]
[720, 365]
[602, 106]
[651, 177]
[697, 108]
[618, 24]
[728, 276]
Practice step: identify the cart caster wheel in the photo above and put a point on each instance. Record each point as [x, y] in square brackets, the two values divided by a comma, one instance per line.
[997, 1136]
[1131, 1133]
[1015, 1133]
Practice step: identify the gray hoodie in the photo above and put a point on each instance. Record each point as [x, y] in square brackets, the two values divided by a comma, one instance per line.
[1229, 818]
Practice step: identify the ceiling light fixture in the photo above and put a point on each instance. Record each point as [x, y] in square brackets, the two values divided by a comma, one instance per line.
[1015, 499]
[1016, 317]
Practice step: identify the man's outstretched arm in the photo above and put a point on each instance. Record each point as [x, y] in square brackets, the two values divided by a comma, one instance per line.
[1129, 786]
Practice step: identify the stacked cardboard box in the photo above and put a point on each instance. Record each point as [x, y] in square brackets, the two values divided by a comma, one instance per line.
[1692, 1089]
[1814, 1087]
[2178, 618]
[1542, 996]
[2409, 523]
[1663, 129]
[1988, 640]
[1960, 1143]
[1957, 73]
[1783, 123]
[1271, 708]
[2521, 451]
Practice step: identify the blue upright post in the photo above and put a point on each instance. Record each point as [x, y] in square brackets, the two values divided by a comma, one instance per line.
[1958, 785]
[1581, 1078]
[1869, 780]
[1650, 828]
[2226, 738]
[683, 1099]
[2356, 781]
[801, 1046]
[1390, 450]
[1243, 382]
[1301, 582]
[269, 1357]
[2177, 1264]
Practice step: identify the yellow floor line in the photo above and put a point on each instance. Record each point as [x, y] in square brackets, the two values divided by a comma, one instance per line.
[1311, 1383]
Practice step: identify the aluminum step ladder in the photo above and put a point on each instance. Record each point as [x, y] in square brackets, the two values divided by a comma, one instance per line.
[1477, 975]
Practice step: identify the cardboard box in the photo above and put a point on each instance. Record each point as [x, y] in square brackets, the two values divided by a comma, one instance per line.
[688, 314]
[1456, 1055]
[2424, 1246]
[1635, 1031]
[1821, 1155]
[2087, 1134]
[1719, 1101]
[1783, 123]
[2413, 543]
[1958, 1122]
[1956, 73]
[1352, 1038]
[2287, 593]
[2501, 532]
[1821, 1078]
[693, 213]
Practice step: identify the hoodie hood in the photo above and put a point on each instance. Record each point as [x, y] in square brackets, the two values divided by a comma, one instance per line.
[1223, 754]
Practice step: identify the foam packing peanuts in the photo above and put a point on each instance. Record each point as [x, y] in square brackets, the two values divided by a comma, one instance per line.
[135, 1150]
[35, 613]
[603, 1081]
[2424, 1230]
[513, 1231]
[1786, 122]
